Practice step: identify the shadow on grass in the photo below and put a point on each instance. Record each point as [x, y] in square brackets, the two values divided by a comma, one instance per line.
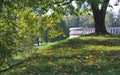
[105, 63]
[77, 61]
[80, 43]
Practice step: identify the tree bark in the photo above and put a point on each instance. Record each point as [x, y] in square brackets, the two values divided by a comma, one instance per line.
[99, 17]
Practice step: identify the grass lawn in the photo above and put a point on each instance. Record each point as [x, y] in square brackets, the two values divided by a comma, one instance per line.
[87, 55]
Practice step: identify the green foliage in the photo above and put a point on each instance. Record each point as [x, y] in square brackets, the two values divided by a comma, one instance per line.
[81, 21]
[111, 20]
[84, 55]
[20, 24]
[64, 30]
[18, 29]
[50, 27]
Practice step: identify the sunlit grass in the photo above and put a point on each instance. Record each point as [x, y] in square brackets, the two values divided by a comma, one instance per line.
[87, 55]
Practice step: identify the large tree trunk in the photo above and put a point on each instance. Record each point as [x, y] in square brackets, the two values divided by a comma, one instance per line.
[99, 18]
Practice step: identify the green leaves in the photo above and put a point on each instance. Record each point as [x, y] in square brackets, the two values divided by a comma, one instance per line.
[18, 29]
[20, 25]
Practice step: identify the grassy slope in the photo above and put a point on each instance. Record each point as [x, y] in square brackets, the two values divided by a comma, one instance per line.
[87, 55]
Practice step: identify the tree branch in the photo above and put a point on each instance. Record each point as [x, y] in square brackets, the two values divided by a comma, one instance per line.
[18, 63]
[67, 2]
[104, 5]
[59, 3]
[52, 4]
[1, 2]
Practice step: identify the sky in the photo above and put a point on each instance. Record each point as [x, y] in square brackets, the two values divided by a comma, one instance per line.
[115, 9]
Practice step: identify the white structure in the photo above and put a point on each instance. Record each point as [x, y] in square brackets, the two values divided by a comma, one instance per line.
[77, 31]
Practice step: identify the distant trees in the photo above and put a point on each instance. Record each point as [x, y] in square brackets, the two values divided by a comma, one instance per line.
[59, 32]
[118, 18]
[80, 21]
[87, 21]
[112, 20]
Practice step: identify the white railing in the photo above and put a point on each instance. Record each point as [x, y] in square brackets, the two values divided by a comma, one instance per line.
[114, 30]
[77, 31]
[88, 30]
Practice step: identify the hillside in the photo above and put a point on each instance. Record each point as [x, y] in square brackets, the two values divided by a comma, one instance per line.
[87, 55]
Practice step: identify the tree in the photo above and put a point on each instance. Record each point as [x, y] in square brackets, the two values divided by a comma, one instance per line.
[99, 11]
[98, 7]
[81, 21]
[20, 21]
[64, 29]
[118, 18]
[20, 25]
[65, 7]
[18, 28]
[110, 20]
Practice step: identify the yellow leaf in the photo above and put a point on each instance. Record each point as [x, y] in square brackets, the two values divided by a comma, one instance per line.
[23, 68]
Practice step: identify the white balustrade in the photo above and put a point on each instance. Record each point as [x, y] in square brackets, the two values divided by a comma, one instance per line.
[77, 31]
[114, 30]
[88, 30]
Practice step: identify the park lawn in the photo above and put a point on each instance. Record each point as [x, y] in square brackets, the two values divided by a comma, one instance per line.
[86, 55]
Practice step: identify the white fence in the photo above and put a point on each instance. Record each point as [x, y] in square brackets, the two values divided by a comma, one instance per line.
[112, 30]
[77, 31]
